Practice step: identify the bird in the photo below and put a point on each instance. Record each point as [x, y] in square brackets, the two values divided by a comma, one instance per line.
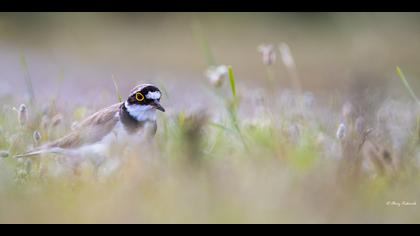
[117, 124]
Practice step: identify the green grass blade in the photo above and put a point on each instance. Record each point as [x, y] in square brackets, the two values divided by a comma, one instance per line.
[232, 81]
[407, 85]
[203, 42]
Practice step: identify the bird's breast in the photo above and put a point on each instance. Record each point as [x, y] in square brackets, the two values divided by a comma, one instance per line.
[122, 135]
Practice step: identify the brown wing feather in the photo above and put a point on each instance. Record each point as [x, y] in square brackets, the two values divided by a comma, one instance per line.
[90, 130]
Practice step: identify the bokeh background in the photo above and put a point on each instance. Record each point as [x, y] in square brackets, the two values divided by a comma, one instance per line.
[343, 53]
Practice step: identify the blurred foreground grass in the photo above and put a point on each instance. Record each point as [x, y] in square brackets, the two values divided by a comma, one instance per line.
[198, 170]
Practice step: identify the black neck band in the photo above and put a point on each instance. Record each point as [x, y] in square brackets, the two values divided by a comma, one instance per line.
[129, 122]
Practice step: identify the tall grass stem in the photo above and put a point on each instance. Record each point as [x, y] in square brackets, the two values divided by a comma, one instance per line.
[407, 85]
[117, 91]
[201, 39]
[27, 77]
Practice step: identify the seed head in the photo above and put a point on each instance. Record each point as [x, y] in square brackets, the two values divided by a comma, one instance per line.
[286, 55]
[268, 53]
[56, 120]
[23, 115]
[217, 75]
[341, 131]
[37, 137]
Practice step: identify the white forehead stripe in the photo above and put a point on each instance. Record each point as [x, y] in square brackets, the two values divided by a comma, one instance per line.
[153, 95]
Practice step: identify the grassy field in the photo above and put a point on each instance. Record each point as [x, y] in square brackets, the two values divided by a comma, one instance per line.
[261, 139]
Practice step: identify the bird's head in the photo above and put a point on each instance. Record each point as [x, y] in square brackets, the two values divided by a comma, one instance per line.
[143, 102]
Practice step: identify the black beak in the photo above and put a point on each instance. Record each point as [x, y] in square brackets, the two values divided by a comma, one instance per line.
[157, 105]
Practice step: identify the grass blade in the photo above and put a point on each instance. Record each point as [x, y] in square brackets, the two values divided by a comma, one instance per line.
[407, 85]
[202, 40]
[232, 81]
[27, 77]
[117, 91]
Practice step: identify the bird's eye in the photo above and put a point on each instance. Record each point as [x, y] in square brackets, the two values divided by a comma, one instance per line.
[139, 97]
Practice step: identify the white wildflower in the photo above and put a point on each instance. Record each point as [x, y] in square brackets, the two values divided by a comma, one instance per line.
[217, 75]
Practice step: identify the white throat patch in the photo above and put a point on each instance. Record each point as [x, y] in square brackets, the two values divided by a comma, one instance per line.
[153, 95]
[141, 112]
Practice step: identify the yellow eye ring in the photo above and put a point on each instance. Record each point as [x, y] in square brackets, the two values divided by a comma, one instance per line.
[139, 97]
